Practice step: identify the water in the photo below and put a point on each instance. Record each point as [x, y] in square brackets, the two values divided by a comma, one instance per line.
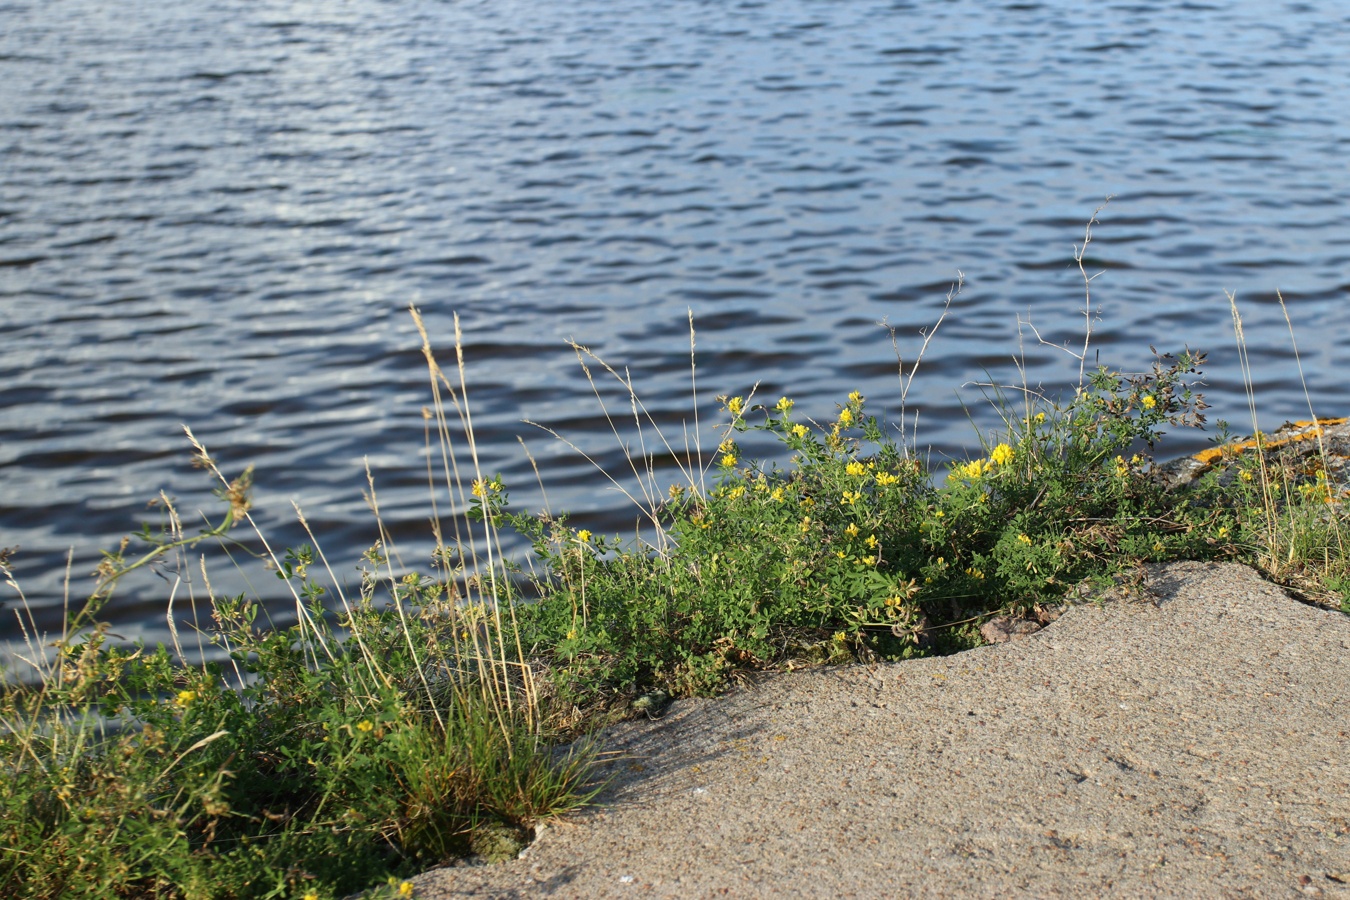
[216, 213]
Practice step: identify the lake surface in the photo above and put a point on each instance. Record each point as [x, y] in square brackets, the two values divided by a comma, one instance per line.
[216, 214]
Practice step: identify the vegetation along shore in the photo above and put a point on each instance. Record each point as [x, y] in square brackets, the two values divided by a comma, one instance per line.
[420, 717]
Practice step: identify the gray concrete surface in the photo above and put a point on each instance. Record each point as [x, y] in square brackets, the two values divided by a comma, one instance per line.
[1189, 743]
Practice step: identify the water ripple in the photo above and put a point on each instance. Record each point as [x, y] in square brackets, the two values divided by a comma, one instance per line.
[216, 214]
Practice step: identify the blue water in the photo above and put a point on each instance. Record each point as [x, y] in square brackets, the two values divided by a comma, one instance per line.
[216, 213]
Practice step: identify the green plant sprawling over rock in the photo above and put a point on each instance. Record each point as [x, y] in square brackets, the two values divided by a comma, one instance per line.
[853, 549]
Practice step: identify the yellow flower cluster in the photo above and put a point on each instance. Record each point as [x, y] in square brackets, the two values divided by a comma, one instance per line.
[784, 405]
[850, 498]
[482, 486]
[729, 460]
[855, 468]
[584, 535]
[186, 697]
[1148, 401]
[1002, 455]
[735, 405]
[886, 478]
[973, 469]
[799, 430]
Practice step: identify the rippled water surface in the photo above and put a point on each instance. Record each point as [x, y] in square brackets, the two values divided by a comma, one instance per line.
[216, 213]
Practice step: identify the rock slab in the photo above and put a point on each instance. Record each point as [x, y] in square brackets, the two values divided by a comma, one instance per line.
[1195, 742]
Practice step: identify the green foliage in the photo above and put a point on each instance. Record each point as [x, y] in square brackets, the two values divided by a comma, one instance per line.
[856, 549]
[309, 765]
[353, 749]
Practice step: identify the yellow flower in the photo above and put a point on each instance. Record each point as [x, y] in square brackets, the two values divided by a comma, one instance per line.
[972, 469]
[1040, 417]
[855, 397]
[1024, 539]
[1247, 476]
[839, 553]
[311, 896]
[1002, 455]
[777, 495]
[736, 492]
[872, 540]
[868, 560]
[975, 573]
[1121, 469]
[851, 530]
[584, 535]
[729, 460]
[1148, 401]
[186, 697]
[1223, 531]
[805, 524]
[850, 498]
[886, 478]
[405, 889]
[939, 514]
[479, 487]
[784, 405]
[845, 416]
[365, 725]
[726, 446]
[855, 468]
[735, 405]
[799, 430]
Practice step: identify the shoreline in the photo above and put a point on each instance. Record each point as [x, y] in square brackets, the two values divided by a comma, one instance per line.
[1190, 736]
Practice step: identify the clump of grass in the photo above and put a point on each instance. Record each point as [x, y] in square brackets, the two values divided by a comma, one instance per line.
[379, 735]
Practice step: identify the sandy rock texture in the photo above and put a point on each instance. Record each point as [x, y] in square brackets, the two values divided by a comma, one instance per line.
[1191, 742]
